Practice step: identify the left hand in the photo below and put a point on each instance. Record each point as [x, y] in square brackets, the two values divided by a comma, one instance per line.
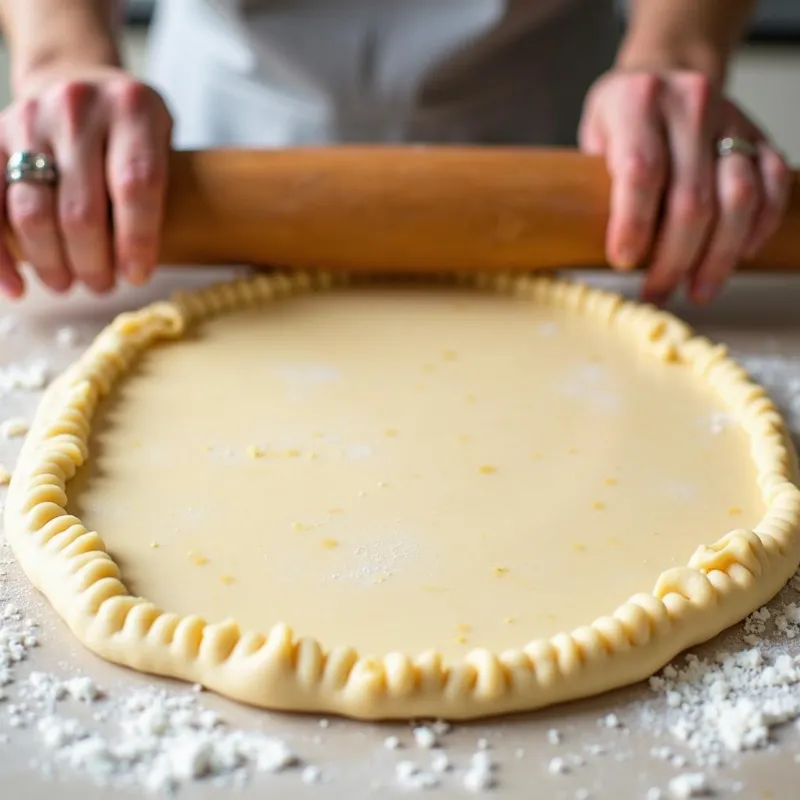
[691, 213]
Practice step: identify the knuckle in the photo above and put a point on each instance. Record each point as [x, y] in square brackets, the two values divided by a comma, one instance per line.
[739, 194]
[698, 92]
[132, 97]
[137, 177]
[23, 117]
[74, 99]
[693, 206]
[80, 215]
[641, 169]
[644, 86]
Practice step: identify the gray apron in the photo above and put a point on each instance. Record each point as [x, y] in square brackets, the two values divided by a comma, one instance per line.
[272, 73]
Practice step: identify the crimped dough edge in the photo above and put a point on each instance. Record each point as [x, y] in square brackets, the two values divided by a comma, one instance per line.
[69, 564]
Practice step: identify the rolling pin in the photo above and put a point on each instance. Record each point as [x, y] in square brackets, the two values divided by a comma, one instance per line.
[403, 209]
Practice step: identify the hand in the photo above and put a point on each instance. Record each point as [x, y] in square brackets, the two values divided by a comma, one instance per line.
[691, 214]
[109, 136]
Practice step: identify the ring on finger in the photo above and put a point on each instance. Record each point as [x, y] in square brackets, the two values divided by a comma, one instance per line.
[27, 166]
[735, 145]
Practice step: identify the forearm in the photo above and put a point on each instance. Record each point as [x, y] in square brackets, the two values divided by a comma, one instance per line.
[45, 34]
[691, 34]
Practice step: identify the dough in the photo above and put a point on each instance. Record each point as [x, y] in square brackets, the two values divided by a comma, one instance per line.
[439, 489]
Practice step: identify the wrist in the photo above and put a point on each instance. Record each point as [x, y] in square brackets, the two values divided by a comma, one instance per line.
[640, 53]
[32, 72]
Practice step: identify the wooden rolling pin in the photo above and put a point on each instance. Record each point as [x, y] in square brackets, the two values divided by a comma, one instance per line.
[402, 209]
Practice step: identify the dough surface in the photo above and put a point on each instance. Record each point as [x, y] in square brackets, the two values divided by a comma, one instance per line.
[443, 487]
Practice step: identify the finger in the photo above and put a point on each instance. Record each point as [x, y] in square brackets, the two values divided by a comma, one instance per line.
[136, 167]
[690, 200]
[11, 284]
[776, 178]
[82, 198]
[637, 163]
[738, 200]
[31, 208]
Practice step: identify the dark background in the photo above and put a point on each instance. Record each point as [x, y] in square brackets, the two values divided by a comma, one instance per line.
[776, 20]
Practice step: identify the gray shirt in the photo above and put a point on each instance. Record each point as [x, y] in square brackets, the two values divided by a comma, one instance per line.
[271, 73]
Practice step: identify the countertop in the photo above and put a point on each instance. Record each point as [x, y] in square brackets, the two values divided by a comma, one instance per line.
[758, 318]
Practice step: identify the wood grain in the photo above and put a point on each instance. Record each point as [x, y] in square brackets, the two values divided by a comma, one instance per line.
[402, 209]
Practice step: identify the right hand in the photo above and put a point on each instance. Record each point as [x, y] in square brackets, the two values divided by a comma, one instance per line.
[110, 136]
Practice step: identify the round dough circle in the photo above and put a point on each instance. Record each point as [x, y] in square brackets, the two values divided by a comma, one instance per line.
[489, 650]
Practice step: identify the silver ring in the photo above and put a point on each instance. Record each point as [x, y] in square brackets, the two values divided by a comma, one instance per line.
[25, 166]
[733, 145]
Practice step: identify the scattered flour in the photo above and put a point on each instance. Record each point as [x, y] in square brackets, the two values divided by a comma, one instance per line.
[424, 737]
[689, 785]
[391, 743]
[67, 337]
[480, 775]
[30, 377]
[730, 703]
[411, 776]
[558, 766]
[610, 721]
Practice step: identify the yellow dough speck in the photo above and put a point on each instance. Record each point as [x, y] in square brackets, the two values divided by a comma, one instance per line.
[292, 453]
[610, 481]
[461, 639]
[336, 510]
[329, 544]
[449, 355]
[508, 620]
[155, 545]
[427, 367]
[501, 571]
[536, 456]
[382, 484]
[391, 432]
[734, 511]
[197, 559]
[578, 547]
[464, 628]
[313, 455]
[470, 398]
[227, 579]
[463, 438]
[573, 451]
[254, 451]
[301, 526]
[5, 476]
[599, 505]
[487, 469]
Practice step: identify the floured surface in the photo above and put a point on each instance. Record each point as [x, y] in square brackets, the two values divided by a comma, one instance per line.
[602, 762]
[408, 470]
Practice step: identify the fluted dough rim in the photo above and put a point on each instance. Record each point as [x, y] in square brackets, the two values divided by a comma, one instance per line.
[722, 582]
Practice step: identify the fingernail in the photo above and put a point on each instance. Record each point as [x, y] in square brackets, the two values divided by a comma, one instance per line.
[625, 260]
[135, 272]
